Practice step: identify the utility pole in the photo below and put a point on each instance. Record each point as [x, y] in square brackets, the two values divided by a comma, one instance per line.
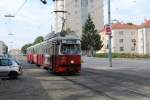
[59, 14]
[109, 36]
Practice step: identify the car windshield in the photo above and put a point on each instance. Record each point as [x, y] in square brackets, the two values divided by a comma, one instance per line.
[70, 49]
[5, 62]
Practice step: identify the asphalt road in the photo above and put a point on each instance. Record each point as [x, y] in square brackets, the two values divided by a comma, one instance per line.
[126, 80]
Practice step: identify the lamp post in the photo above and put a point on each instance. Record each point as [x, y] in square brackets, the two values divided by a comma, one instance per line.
[44, 1]
[109, 36]
[9, 16]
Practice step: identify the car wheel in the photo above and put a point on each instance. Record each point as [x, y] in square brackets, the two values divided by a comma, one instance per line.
[13, 75]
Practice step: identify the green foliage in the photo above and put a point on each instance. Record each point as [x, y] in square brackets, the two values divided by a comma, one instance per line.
[130, 23]
[90, 37]
[122, 55]
[24, 48]
[38, 40]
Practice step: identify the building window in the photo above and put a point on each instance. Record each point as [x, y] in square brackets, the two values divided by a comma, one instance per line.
[121, 48]
[132, 48]
[133, 40]
[121, 33]
[120, 40]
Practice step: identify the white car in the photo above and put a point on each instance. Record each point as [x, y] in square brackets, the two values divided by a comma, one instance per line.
[10, 68]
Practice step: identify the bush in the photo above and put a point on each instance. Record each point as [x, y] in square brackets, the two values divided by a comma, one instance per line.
[122, 55]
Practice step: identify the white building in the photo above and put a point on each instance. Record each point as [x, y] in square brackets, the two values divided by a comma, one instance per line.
[127, 38]
[124, 38]
[3, 48]
[144, 38]
[77, 15]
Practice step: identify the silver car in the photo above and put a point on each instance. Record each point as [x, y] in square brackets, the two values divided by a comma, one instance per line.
[10, 68]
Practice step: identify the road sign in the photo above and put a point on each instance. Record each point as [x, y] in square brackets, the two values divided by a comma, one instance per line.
[108, 29]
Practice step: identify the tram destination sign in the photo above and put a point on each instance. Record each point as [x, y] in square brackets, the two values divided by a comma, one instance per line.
[70, 41]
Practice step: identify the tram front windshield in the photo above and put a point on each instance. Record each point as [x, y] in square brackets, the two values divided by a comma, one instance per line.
[70, 49]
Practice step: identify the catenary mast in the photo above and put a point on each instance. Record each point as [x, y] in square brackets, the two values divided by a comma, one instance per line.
[59, 13]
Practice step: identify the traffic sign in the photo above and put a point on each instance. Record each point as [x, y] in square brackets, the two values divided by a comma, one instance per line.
[108, 29]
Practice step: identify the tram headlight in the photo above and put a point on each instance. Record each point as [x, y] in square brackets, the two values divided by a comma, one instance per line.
[72, 61]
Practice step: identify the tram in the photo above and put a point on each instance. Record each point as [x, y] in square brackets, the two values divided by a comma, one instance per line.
[59, 52]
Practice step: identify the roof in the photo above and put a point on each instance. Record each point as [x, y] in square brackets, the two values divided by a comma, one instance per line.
[146, 24]
[119, 25]
[124, 26]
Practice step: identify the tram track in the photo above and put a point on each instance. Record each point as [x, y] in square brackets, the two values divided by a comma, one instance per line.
[99, 92]
[119, 78]
[115, 76]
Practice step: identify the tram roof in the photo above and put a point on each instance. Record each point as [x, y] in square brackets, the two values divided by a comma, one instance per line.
[57, 36]
[61, 35]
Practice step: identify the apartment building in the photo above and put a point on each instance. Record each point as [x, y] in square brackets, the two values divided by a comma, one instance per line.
[144, 38]
[3, 48]
[128, 38]
[77, 14]
[124, 38]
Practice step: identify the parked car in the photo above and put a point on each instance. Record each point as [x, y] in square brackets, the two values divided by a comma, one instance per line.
[10, 68]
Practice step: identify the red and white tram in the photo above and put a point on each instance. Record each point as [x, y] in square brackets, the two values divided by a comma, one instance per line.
[59, 52]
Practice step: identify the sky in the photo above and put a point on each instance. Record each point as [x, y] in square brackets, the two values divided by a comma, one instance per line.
[35, 19]
[135, 11]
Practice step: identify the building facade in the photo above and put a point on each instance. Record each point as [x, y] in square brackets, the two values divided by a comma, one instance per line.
[128, 38]
[77, 14]
[124, 39]
[144, 38]
[15, 52]
[3, 48]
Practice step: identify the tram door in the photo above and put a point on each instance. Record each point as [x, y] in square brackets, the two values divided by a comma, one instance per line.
[54, 56]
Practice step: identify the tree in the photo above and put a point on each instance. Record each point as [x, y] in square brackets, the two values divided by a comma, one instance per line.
[24, 48]
[90, 39]
[129, 23]
[38, 40]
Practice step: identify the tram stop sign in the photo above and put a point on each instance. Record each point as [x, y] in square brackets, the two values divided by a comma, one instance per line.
[108, 29]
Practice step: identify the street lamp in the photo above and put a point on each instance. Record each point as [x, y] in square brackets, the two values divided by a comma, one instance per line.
[44, 1]
[10, 34]
[9, 16]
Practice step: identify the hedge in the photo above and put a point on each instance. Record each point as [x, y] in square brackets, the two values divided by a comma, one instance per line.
[122, 55]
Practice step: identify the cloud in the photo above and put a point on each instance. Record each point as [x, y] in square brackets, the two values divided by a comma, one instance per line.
[129, 10]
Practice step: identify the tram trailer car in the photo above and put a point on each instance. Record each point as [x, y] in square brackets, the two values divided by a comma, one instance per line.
[59, 53]
[30, 55]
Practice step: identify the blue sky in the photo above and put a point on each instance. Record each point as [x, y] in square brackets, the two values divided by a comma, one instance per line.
[35, 19]
[135, 11]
